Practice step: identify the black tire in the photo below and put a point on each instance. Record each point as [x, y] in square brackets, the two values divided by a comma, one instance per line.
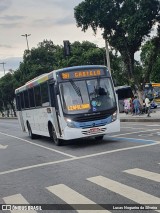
[53, 136]
[99, 138]
[31, 135]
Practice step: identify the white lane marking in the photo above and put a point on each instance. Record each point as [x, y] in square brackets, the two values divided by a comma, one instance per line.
[154, 125]
[146, 135]
[143, 173]
[17, 199]
[131, 127]
[35, 166]
[129, 133]
[76, 158]
[150, 134]
[3, 147]
[35, 144]
[125, 191]
[136, 139]
[70, 196]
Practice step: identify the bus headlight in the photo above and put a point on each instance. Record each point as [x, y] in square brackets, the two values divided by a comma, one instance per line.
[114, 116]
[70, 123]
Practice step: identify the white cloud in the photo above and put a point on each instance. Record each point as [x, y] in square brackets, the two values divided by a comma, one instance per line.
[43, 19]
[49, 19]
[4, 5]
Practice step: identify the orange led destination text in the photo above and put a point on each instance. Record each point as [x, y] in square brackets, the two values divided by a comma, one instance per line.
[65, 75]
[81, 74]
[79, 107]
[87, 73]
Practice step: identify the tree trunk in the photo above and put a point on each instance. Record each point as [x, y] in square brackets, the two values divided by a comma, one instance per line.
[140, 96]
[13, 108]
[128, 59]
[129, 64]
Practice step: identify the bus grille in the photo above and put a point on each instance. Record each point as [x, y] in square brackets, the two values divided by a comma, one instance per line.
[91, 118]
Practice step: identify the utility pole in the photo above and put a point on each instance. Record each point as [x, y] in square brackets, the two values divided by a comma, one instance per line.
[3, 67]
[107, 55]
[26, 35]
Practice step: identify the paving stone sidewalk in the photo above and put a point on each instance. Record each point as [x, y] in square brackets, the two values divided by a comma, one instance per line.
[155, 117]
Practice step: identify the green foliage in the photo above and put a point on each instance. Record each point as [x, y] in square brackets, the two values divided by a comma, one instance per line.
[126, 23]
[47, 57]
[150, 57]
[7, 87]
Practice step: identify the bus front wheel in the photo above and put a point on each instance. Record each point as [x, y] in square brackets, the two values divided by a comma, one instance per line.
[53, 136]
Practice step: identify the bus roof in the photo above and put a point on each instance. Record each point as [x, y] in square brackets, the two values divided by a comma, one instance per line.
[46, 76]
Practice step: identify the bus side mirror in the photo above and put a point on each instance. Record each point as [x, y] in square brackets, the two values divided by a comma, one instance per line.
[56, 89]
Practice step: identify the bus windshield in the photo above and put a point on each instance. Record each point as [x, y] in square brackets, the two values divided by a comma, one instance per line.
[87, 96]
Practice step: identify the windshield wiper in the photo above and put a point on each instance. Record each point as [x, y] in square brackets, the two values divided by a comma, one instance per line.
[77, 89]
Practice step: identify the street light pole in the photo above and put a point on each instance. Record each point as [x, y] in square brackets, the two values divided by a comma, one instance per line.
[107, 56]
[3, 113]
[3, 67]
[26, 35]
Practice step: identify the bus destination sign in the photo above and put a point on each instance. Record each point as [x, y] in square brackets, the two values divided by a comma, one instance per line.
[82, 74]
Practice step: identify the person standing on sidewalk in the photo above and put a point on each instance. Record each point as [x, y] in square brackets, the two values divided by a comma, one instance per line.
[136, 105]
[148, 106]
[126, 105]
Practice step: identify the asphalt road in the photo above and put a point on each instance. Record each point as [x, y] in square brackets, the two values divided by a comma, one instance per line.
[124, 169]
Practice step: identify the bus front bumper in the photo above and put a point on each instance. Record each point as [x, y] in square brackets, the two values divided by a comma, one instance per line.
[75, 133]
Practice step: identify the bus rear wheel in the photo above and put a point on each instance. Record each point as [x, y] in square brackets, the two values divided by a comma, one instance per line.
[53, 136]
[31, 135]
[99, 138]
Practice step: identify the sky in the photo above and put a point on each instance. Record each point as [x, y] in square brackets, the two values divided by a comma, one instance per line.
[43, 19]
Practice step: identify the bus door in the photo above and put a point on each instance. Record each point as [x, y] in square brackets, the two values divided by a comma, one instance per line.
[55, 109]
[19, 112]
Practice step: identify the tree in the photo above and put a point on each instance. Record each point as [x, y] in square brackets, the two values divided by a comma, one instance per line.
[150, 57]
[39, 60]
[7, 92]
[47, 57]
[125, 23]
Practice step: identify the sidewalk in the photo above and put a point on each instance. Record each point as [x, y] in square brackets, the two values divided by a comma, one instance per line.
[155, 117]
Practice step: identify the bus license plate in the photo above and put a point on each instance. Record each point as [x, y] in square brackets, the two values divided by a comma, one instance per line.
[94, 130]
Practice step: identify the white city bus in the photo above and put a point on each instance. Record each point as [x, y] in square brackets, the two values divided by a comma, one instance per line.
[69, 103]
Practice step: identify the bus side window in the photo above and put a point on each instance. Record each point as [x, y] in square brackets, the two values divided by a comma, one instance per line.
[45, 95]
[22, 100]
[31, 98]
[37, 93]
[18, 102]
[53, 98]
[26, 99]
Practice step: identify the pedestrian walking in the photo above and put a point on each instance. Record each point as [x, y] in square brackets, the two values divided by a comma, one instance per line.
[143, 107]
[148, 106]
[126, 105]
[132, 106]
